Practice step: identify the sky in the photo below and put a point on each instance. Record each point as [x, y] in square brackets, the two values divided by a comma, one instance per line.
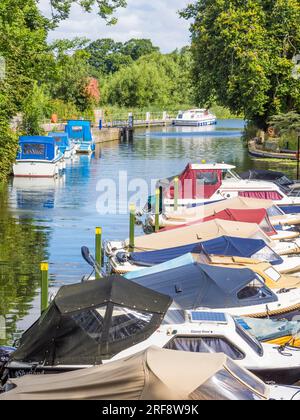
[157, 20]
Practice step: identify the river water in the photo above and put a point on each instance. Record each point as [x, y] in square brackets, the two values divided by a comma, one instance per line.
[50, 220]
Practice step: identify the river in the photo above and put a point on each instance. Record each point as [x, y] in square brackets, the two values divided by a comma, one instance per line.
[51, 220]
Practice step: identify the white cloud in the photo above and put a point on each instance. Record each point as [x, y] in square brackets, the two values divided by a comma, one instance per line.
[158, 21]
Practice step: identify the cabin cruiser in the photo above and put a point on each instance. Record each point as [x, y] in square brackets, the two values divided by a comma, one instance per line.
[65, 145]
[196, 286]
[204, 183]
[152, 375]
[198, 233]
[98, 322]
[195, 118]
[38, 157]
[229, 250]
[80, 132]
[186, 216]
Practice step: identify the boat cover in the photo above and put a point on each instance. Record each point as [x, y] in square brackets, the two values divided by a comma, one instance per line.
[258, 216]
[92, 321]
[197, 232]
[36, 148]
[193, 183]
[195, 286]
[203, 211]
[224, 245]
[79, 130]
[153, 374]
[61, 139]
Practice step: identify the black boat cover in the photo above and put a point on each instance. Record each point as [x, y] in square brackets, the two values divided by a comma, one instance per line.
[92, 321]
[277, 177]
[197, 286]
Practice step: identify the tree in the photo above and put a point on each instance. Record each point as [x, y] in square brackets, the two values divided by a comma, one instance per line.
[136, 48]
[243, 53]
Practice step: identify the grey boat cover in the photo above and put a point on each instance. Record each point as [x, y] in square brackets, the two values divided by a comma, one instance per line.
[197, 285]
[92, 321]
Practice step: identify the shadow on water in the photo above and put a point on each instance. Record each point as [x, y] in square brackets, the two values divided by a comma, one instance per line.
[52, 219]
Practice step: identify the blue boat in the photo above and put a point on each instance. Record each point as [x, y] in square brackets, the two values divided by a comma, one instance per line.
[237, 291]
[223, 246]
[65, 144]
[81, 133]
[38, 157]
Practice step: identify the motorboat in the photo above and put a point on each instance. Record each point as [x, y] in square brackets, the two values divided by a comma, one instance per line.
[197, 214]
[204, 183]
[258, 216]
[152, 375]
[99, 322]
[66, 146]
[279, 332]
[239, 250]
[198, 233]
[80, 132]
[266, 175]
[237, 291]
[195, 118]
[38, 157]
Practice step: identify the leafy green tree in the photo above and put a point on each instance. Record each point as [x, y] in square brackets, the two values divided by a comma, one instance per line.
[136, 48]
[35, 109]
[244, 53]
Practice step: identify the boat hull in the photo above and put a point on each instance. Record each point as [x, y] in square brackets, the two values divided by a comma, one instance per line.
[287, 376]
[38, 169]
[192, 123]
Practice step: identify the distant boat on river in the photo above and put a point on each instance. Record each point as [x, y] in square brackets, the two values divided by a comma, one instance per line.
[195, 117]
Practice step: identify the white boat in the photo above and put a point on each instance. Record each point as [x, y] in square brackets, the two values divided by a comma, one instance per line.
[206, 183]
[65, 144]
[80, 132]
[38, 157]
[195, 117]
[218, 332]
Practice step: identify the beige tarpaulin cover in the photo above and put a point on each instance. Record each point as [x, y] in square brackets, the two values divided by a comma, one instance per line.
[153, 374]
[208, 210]
[196, 233]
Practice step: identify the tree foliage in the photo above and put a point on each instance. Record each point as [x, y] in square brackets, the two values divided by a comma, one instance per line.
[154, 79]
[243, 55]
[108, 56]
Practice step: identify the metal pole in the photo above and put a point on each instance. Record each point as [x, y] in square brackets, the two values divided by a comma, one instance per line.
[98, 249]
[44, 286]
[131, 226]
[176, 193]
[298, 157]
[157, 208]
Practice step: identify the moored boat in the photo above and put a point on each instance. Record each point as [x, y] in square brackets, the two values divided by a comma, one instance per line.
[80, 132]
[195, 118]
[65, 145]
[38, 157]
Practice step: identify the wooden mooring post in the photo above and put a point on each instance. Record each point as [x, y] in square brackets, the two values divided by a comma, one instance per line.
[131, 227]
[98, 250]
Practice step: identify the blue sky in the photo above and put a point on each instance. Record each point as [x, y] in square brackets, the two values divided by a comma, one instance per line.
[154, 19]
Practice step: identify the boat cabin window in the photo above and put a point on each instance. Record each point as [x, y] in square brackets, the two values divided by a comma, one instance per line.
[91, 322]
[230, 174]
[250, 340]
[266, 254]
[30, 149]
[213, 344]
[207, 178]
[126, 323]
[274, 211]
[254, 289]
[224, 386]
[273, 274]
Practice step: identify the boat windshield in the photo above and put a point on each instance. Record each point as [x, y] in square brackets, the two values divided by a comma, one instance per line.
[230, 174]
[295, 192]
[250, 339]
[174, 316]
[273, 274]
[231, 383]
[274, 211]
